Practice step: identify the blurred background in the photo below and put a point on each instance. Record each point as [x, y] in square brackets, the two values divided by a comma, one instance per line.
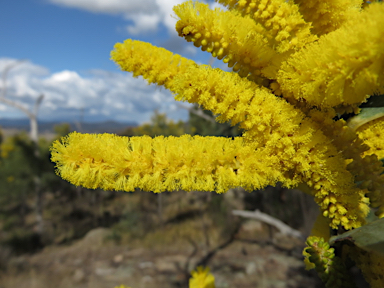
[56, 77]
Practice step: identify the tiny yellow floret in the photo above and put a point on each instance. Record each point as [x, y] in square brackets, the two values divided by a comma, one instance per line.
[202, 278]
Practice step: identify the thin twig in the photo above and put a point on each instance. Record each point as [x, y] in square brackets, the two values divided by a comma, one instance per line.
[204, 261]
[281, 226]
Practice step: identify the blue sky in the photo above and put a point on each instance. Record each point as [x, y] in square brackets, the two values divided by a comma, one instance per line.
[67, 44]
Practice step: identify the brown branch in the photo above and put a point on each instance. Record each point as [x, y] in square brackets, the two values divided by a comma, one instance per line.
[204, 261]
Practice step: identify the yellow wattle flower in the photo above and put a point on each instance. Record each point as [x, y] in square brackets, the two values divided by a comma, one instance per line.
[162, 163]
[202, 278]
[365, 167]
[343, 67]
[328, 15]
[284, 25]
[296, 64]
[238, 41]
[371, 134]
[270, 46]
[286, 136]
[160, 65]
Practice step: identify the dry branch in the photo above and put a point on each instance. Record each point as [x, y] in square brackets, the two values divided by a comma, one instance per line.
[281, 226]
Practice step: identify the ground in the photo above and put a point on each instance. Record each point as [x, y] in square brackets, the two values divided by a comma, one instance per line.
[97, 262]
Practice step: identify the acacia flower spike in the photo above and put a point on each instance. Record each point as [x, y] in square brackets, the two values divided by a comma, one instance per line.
[371, 134]
[365, 167]
[328, 15]
[281, 19]
[298, 143]
[283, 132]
[236, 40]
[343, 67]
[160, 66]
[162, 163]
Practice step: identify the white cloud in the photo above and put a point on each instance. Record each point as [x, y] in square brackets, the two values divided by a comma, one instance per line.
[100, 95]
[146, 15]
[20, 75]
[165, 8]
[109, 6]
[144, 23]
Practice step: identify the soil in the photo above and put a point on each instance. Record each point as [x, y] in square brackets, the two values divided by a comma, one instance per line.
[98, 263]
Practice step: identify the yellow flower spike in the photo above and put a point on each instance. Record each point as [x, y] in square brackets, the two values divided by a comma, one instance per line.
[202, 278]
[371, 134]
[240, 101]
[162, 164]
[282, 141]
[213, 30]
[328, 15]
[291, 139]
[366, 169]
[266, 119]
[160, 65]
[342, 67]
[281, 19]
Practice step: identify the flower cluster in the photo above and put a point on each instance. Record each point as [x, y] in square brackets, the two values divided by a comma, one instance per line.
[291, 139]
[321, 256]
[296, 67]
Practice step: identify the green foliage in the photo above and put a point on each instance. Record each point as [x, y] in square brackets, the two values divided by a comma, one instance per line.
[369, 237]
[201, 122]
[159, 125]
[24, 242]
[130, 223]
[62, 130]
[17, 168]
[68, 212]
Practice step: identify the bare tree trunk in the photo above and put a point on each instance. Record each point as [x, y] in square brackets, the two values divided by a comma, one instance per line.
[34, 132]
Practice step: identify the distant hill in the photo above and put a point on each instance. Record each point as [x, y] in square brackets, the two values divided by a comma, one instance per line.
[85, 127]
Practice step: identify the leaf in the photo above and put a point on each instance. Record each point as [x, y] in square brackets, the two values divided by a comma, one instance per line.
[366, 115]
[369, 237]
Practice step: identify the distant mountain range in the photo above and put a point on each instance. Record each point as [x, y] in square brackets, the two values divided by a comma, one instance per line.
[85, 127]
